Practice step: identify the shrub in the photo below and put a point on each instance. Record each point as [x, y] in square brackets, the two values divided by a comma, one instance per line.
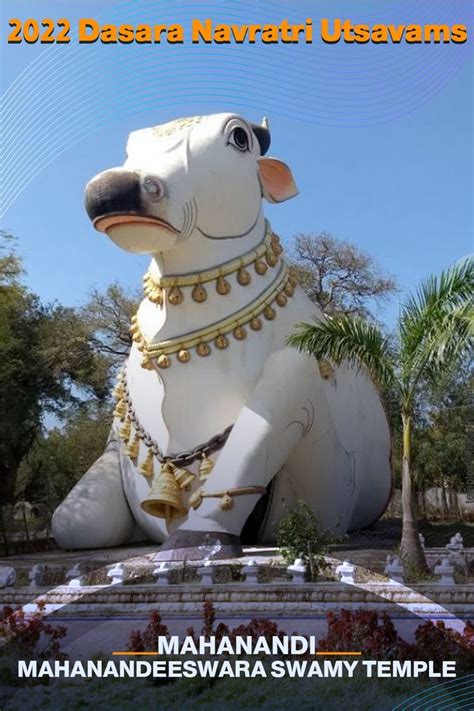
[147, 640]
[299, 536]
[24, 633]
[362, 630]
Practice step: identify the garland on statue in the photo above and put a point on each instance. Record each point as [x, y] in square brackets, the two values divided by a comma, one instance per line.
[278, 292]
[170, 287]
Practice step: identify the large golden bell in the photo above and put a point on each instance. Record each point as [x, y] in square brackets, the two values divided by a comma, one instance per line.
[164, 498]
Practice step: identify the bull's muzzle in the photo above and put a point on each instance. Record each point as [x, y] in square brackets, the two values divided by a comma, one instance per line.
[119, 196]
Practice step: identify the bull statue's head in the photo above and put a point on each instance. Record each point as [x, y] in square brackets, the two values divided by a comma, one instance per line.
[204, 175]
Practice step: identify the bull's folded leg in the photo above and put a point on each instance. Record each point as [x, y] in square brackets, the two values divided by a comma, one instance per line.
[259, 445]
[95, 514]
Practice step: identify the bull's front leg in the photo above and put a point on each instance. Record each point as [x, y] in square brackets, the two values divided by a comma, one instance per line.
[265, 433]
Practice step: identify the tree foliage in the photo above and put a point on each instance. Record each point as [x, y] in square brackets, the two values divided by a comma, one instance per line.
[338, 276]
[108, 315]
[48, 364]
[435, 333]
[299, 536]
[59, 457]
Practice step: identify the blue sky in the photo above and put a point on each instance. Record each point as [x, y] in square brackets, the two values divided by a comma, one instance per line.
[398, 183]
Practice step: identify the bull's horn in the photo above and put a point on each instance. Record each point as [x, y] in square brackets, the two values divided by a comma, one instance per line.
[265, 123]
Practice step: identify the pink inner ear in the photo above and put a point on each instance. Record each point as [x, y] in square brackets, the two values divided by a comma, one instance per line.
[277, 180]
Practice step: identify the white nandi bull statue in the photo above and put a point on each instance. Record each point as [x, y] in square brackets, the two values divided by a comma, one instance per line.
[214, 411]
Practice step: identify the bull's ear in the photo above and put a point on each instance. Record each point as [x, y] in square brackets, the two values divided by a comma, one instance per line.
[276, 180]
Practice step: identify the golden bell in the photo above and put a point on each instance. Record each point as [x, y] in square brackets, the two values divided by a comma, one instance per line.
[289, 289]
[239, 333]
[243, 277]
[270, 257]
[146, 362]
[221, 341]
[256, 323]
[226, 503]
[260, 267]
[120, 409]
[222, 286]
[126, 430]
[133, 447]
[199, 293]
[325, 368]
[156, 295]
[164, 498]
[119, 391]
[281, 299]
[293, 277]
[276, 246]
[184, 356]
[163, 361]
[175, 296]
[147, 466]
[269, 313]
[202, 349]
[206, 467]
[183, 476]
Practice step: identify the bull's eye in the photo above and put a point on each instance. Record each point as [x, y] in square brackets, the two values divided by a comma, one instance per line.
[239, 139]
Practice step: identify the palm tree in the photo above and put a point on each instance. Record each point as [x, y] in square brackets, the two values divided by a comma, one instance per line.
[434, 332]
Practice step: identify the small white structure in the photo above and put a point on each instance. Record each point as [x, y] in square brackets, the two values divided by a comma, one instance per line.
[36, 576]
[456, 543]
[7, 576]
[205, 572]
[422, 540]
[297, 571]
[116, 574]
[74, 576]
[445, 570]
[395, 570]
[346, 573]
[162, 573]
[251, 572]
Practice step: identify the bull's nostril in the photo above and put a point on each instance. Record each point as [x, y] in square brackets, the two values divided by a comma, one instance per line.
[153, 187]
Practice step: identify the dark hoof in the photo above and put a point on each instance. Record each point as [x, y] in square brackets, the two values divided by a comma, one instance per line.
[198, 545]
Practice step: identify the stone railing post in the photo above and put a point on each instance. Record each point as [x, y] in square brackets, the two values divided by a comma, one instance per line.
[36, 576]
[251, 572]
[74, 576]
[445, 571]
[205, 571]
[116, 574]
[297, 571]
[162, 573]
[346, 573]
[395, 570]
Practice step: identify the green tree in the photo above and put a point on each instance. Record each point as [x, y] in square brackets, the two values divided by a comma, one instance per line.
[299, 536]
[442, 435]
[434, 332]
[108, 315]
[59, 457]
[48, 363]
[338, 276]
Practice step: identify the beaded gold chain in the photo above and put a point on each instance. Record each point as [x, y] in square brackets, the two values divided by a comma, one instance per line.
[265, 255]
[277, 293]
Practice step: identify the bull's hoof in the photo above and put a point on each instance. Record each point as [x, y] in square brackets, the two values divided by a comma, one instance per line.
[199, 545]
